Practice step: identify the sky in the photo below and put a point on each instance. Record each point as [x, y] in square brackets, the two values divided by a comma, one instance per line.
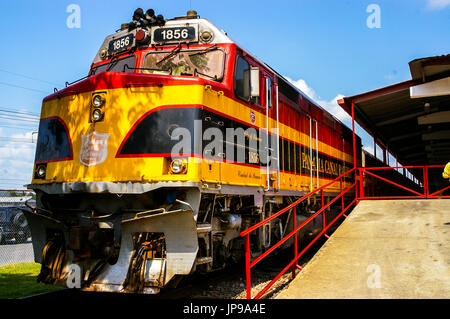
[329, 49]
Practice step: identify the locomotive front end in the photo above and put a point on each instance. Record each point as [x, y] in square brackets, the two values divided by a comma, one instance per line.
[116, 175]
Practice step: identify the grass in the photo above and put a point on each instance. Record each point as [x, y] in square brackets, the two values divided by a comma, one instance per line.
[19, 280]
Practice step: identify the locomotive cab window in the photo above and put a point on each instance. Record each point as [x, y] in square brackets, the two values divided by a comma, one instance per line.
[248, 82]
[207, 63]
[242, 79]
[126, 64]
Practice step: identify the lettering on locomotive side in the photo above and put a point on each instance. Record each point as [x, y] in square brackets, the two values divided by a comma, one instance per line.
[325, 166]
[253, 157]
[244, 174]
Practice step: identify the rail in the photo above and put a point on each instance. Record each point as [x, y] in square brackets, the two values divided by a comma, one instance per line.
[423, 191]
[294, 233]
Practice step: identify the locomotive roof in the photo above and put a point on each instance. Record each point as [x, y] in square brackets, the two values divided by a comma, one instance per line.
[220, 36]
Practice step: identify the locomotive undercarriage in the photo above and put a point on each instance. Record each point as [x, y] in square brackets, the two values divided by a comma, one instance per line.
[145, 242]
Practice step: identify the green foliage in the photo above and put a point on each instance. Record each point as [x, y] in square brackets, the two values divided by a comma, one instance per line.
[19, 280]
[180, 63]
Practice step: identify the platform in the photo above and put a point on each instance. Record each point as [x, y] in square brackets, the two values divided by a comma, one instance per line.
[384, 249]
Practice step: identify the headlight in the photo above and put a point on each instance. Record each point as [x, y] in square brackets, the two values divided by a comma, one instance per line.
[103, 53]
[97, 115]
[177, 166]
[40, 171]
[97, 101]
[206, 36]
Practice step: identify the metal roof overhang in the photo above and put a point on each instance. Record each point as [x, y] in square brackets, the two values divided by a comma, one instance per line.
[411, 119]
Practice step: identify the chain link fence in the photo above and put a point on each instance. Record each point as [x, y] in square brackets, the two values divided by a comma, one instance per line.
[15, 234]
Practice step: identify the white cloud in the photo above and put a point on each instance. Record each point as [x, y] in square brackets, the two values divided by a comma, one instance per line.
[331, 106]
[16, 161]
[302, 86]
[336, 110]
[438, 4]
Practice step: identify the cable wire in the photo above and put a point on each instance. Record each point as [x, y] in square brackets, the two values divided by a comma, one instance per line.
[28, 77]
[23, 87]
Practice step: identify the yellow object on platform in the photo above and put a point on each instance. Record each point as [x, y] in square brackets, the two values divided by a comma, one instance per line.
[446, 173]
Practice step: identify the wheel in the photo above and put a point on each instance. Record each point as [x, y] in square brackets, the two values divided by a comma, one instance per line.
[20, 221]
[20, 225]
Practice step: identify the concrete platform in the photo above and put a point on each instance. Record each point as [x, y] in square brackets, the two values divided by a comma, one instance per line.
[384, 249]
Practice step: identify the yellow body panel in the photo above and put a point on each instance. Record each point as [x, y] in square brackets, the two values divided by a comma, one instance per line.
[125, 106]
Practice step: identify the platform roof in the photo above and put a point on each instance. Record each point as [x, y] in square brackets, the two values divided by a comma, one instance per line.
[412, 118]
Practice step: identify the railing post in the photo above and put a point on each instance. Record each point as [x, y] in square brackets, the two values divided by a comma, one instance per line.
[323, 204]
[295, 242]
[342, 196]
[247, 266]
[353, 135]
[324, 224]
[361, 184]
[425, 182]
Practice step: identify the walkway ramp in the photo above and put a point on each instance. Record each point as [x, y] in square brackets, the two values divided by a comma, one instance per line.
[384, 249]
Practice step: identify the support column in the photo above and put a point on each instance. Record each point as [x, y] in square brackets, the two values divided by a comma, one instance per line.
[354, 138]
[375, 147]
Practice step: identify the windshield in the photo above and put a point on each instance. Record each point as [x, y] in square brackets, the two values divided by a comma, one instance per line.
[116, 65]
[207, 63]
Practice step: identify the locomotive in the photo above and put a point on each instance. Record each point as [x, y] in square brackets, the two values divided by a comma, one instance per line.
[148, 169]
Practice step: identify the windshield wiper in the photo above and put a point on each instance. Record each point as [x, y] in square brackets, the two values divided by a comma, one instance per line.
[213, 48]
[169, 70]
[209, 76]
[170, 54]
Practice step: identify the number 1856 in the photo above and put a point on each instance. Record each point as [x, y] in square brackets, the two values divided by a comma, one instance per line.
[176, 34]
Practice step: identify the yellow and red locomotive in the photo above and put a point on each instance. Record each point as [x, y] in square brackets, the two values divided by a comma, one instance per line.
[178, 139]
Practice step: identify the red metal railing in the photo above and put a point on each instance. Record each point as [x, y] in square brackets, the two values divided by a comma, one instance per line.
[422, 193]
[294, 263]
[360, 174]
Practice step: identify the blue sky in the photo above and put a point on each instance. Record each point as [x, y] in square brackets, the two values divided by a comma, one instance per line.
[324, 47]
